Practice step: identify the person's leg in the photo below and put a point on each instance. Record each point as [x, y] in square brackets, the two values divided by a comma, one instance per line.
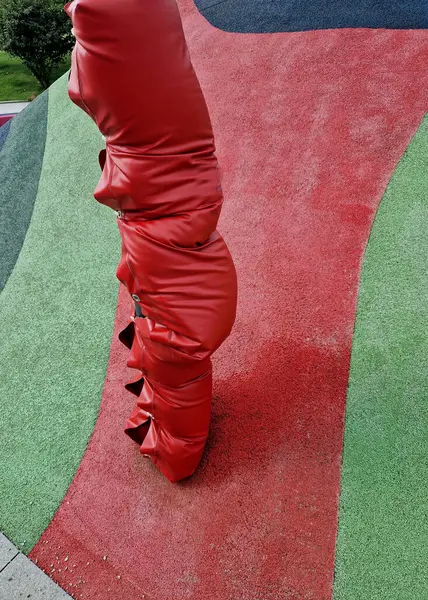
[133, 75]
[172, 345]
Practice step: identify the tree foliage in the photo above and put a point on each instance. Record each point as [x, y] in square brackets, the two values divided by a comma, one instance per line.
[38, 32]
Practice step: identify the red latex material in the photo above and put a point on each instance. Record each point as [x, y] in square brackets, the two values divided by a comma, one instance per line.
[131, 72]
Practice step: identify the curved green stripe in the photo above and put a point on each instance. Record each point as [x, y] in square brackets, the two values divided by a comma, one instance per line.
[20, 165]
[382, 548]
[57, 313]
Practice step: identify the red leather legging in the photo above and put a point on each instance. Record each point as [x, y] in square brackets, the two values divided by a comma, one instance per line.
[174, 374]
[132, 74]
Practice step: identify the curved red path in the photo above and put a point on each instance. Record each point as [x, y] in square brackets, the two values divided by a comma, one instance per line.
[309, 127]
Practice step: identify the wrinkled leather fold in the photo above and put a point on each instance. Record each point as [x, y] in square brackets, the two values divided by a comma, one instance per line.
[132, 74]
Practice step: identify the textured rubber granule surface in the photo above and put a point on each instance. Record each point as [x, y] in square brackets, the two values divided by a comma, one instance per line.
[310, 128]
[4, 132]
[383, 530]
[54, 343]
[263, 16]
[20, 165]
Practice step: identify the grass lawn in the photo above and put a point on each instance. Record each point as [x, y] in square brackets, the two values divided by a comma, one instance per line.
[16, 81]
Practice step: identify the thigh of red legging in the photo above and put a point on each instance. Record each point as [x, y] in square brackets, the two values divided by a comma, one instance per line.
[191, 291]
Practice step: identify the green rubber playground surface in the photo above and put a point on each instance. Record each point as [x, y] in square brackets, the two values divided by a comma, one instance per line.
[20, 167]
[56, 347]
[382, 549]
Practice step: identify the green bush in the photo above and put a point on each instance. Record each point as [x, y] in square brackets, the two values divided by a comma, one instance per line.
[38, 32]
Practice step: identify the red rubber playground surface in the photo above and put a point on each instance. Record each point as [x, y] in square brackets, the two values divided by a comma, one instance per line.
[309, 130]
